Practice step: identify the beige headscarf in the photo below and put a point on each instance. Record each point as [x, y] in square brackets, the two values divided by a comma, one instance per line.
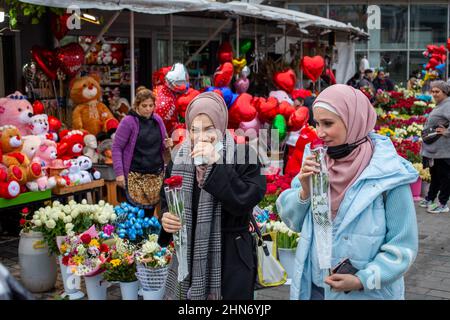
[212, 105]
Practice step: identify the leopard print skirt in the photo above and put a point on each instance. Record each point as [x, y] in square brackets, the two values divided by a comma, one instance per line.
[144, 189]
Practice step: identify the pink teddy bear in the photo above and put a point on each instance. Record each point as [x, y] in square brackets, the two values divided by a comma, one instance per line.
[46, 154]
[17, 111]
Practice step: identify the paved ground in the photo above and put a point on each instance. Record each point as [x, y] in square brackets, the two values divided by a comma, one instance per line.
[428, 278]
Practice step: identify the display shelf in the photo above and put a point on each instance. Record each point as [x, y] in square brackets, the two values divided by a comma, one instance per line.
[25, 198]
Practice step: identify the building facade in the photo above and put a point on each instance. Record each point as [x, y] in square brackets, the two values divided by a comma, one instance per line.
[399, 30]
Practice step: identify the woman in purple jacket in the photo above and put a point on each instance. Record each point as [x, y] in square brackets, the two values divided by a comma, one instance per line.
[138, 152]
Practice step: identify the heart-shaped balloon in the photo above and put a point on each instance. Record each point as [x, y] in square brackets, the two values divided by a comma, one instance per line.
[225, 53]
[239, 64]
[54, 124]
[177, 78]
[38, 107]
[183, 100]
[301, 93]
[70, 58]
[58, 25]
[298, 119]
[223, 75]
[313, 67]
[165, 107]
[242, 110]
[224, 92]
[267, 109]
[286, 109]
[241, 85]
[29, 71]
[279, 123]
[245, 46]
[285, 80]
[46, 60]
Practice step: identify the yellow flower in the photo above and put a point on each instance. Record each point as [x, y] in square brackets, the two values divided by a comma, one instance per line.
[78, 260]
[115, 262]
[63, 248]
[94, 243]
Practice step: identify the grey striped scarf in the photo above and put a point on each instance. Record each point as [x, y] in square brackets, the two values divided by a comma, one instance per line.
[204, 281]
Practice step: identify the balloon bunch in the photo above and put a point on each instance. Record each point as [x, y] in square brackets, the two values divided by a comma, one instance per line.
[437, 57]
[132, 224]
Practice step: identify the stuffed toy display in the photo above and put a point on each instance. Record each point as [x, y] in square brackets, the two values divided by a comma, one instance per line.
[15, 110]
[71, 145]
[17, 163]
[90, 114]
[85, 164]
[40, 127]
[9, 189]
[46, 154]
[31, 145]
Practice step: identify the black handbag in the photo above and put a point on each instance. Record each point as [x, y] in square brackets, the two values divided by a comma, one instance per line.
[430, 135]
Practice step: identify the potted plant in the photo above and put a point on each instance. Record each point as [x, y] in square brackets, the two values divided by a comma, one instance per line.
[37, 264]
[121, 267]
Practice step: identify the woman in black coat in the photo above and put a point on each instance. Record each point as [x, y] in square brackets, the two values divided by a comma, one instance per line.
[220, 189]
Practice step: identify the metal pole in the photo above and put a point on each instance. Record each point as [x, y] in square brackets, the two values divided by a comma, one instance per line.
[102, 32]
[171, 40]
[237, 36]
[207, 41]
[300, 62]
[132, 93]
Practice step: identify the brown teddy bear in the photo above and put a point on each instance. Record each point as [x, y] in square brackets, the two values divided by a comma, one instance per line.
[17, 163]
[90, 114]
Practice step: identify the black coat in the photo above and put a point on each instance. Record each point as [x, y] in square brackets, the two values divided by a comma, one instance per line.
[239, 188]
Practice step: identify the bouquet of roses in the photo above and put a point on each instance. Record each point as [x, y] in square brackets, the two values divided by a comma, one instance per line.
[121, 265]
[59, 220]
[85, 253]
[153, 263]
[175, 202]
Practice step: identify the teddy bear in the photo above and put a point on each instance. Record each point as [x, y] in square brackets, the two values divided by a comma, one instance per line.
[40, 127]
[17, 163]
[90, 114]
[73, 173]
[85, 164]
[15, 110]
[46, 154]
[90, 149]
[9, 189]
[105, 54]
[71, 145]
[31, 145]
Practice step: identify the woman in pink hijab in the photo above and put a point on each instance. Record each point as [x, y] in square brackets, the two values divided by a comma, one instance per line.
[373, 214]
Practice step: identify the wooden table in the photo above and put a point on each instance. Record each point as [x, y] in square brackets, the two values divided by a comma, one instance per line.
[80, 191]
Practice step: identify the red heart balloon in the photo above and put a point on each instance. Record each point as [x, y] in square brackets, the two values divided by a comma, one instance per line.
[38, 107]
[285, 80]
[223, 75]
[183, 100]
[298, 119]
[54, 124]
[286, 109]
[242, 110]
[225, 53]
[268, 109]
[70, 58]
[313, 67]
[58, 25]
[46, 61]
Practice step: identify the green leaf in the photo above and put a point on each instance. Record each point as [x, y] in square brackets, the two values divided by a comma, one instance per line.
[34, 20]
[13, 22]
[26, 11]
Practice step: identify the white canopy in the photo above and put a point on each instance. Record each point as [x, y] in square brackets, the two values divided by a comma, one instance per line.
[302, 20]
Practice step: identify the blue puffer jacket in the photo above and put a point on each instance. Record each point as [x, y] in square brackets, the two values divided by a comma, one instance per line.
[378, 235]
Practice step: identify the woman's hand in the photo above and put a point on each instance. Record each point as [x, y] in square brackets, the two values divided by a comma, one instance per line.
[168, 143]
[343, 282]
[170, 222]
[205, 150]
[309, 168]
[120, 180]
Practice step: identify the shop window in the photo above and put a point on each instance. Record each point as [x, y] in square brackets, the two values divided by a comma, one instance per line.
[317, 10]
[355, 14]
[393, 28]
[428, 25]
[393, 63]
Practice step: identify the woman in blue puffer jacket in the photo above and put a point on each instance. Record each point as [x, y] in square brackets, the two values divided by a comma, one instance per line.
[374, 219]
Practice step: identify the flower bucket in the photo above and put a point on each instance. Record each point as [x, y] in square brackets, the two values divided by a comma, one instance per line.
[129, 290]
[287, 260]
[96, 287]
[151, 278]
[37, 266]
[425, 188]
[71, 282]
[153, 294]
[416, 189]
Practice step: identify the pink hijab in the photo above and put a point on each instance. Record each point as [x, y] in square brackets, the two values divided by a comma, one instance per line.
[359, 117]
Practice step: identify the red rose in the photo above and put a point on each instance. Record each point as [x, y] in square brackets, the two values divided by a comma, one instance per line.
[174, 181]
[25, 210]
[270, 178]
[104, 247]
[22, 221]
[85, 238]
[285, 186]
[271, 189]
[65, 260]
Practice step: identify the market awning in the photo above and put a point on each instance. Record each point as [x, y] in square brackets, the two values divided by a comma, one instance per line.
[302, 20]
